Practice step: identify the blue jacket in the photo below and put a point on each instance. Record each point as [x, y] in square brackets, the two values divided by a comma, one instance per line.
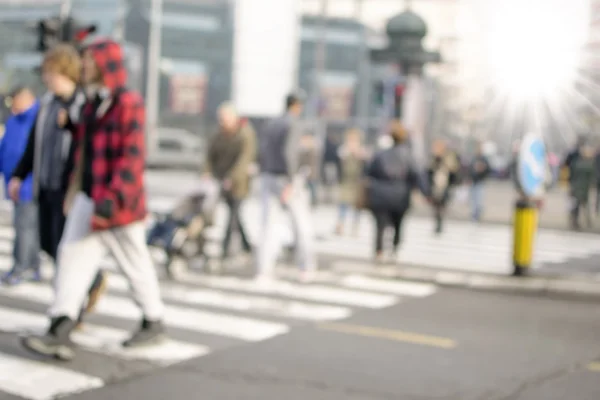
[12, 147]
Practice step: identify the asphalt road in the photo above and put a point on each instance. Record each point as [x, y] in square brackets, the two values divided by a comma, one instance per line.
[454, 345]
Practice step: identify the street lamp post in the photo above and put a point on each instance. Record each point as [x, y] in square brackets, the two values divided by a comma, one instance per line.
[65, 9]
[364, 73]
[153, 75]
[320, 65]
[406, 32]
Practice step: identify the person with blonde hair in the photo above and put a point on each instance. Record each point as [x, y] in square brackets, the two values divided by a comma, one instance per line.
[48, 155]
[352, 157]
[390, 179]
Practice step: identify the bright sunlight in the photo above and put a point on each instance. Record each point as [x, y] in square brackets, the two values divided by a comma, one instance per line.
[534, 47]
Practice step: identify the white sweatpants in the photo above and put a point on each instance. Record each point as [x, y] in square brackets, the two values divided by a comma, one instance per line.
[269, 244]
[82, 251]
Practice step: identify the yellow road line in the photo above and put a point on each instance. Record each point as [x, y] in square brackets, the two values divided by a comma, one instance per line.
[595, 367]
[398, 336]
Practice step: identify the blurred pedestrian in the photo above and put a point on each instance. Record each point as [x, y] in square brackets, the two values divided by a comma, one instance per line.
[479, 170]
[330, 167]
[353, 156]
[597, 171]
[283, 183]
[390, 179]
[583, 173]
[48, 155]
[26, 245]
[309, 163]
[105, 206]
[443, 173]
[230, 154]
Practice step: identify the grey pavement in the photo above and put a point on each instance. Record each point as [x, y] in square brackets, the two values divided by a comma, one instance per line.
[499, 199]
[454, 345]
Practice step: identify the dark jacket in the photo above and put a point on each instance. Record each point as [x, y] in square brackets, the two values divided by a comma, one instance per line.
[443, 173]
[110, 143]
[391, 177]
[584, 178]
[479, 169]
[13, 145]
[569, 161]
[279, 146]
[31, 160]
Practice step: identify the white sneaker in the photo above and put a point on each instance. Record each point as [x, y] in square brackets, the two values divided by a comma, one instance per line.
[308, 276]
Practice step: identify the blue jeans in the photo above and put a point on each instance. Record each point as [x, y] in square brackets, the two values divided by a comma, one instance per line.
[26, 246]
[477, 200]
[344, 209]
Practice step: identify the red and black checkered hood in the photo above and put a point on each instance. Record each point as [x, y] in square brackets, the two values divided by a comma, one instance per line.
[109, 58]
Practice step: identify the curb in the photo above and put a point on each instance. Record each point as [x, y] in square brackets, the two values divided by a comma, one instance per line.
[533, 285]
[530, 285]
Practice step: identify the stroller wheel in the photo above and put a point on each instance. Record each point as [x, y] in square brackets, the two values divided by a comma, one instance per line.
[175, 267]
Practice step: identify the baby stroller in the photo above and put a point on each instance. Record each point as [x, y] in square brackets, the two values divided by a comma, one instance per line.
[182, 232]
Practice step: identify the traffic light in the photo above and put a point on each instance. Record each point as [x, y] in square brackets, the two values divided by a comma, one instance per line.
[379, 93]
[48, 33]
[398, 98]
[54, 30]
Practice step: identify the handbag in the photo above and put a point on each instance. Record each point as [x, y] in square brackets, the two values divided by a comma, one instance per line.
[361, 202]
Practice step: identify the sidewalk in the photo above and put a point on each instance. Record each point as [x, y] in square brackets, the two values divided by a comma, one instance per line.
[539, 285]
[499, 200]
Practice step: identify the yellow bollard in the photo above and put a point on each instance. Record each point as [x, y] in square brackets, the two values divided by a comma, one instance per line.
[524, 230]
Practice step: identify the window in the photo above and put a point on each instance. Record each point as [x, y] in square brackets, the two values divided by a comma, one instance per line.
[197, 22]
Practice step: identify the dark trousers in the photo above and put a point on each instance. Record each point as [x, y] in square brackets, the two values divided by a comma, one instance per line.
[26, 246]
[52, 223]
[234, 224]
[383, 220]
[439, 208]
[578, 208]
[52, 220]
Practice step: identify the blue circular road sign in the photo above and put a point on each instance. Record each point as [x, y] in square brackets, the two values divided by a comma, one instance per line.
[532, 166]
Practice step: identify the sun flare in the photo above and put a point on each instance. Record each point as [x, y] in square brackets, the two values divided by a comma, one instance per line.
[533, 49]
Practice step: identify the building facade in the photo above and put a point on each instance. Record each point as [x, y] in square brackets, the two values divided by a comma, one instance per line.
[339, 80]
[195, 63]
[589, 82]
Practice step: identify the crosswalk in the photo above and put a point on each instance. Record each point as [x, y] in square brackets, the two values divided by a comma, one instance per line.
[208, 313]
[203, 314]
[463, 246]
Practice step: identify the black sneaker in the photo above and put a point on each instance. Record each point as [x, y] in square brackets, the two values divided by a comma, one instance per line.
[150, 333]
[55, 343]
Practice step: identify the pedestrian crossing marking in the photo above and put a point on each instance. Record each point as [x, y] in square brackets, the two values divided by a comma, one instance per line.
[34, 380]
[241, 328]
[102, 339]
[236, 302]
[399, 288]
[317, 293]
[199, 309]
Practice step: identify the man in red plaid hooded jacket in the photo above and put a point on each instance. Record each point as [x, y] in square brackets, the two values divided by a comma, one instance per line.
[105, 205]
